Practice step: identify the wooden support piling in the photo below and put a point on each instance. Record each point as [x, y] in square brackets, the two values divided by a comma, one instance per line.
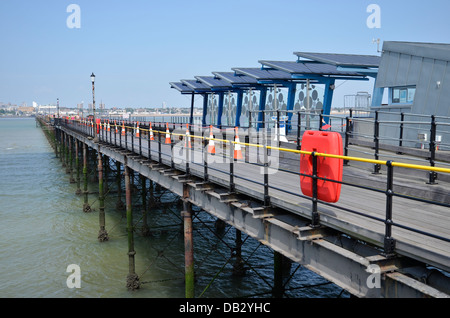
[145, 228]
[77, 164]
[238, 266]
[132, 278]
[119, 205]
[277, 290]
[102, 233]
[71, 179]
[86, 206]
[188, 249]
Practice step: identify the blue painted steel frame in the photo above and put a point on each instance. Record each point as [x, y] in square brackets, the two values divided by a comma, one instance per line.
[240, 94]
[205, 108]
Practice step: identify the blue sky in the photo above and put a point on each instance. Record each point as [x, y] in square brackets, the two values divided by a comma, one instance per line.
[135, 48]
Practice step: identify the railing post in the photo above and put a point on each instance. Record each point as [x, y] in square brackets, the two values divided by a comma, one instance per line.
[278, 128]
[432, 174]
[205, 160]
[186, 148]
[347, 137]
[315, 218]
[389, 241]
[140, 143]
[320, 119]
[126, 135]
[232, 187]
[298, 129]
[266, 170]
[400, 141]
[159, 147]
[120, 137]
[132, 136]
[376, 139]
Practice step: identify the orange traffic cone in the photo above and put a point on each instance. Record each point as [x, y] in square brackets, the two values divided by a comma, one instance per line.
[109, 127]
[187, 140]
[137, 131]
[211, 146]
[115, 125]
[123, 129]
[151, 132]
[168, 140]
[237, 146]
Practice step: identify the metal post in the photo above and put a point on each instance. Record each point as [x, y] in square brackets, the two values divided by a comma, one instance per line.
[149, 147]
[347, 137]
[389, 241]
[132, 136]
[238, 266]
[126, 135]
[187, 154]
[72, 180]
[278, 128]
[400, 141]
[66, 153]
[86, 206]
[232, 187]
[376, 139]
[320, 119]
[77, 164]
[145, 229]
[299, 127]
[188, 249]
[315, 217]
[132, 278]
[277, 290]
[266, 171]
[432, 175]
[102, 234]
[159, 147]
[205, 160]
[119, 205]
[308, 106]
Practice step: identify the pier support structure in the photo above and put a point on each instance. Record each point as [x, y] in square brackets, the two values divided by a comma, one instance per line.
[77, 164]
[132, 278]
[102, 233]
[86, 206]
[336, 256]
[145, 228]
[188, 249]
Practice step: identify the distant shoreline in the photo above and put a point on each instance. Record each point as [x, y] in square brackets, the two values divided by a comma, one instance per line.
[15, 117]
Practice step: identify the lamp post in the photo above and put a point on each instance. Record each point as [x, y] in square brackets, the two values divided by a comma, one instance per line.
[57, 109]
[93, 107]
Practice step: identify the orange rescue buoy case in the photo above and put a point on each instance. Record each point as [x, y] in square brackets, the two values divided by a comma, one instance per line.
[329, 168]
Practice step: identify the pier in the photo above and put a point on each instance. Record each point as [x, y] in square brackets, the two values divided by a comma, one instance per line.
[387, 236]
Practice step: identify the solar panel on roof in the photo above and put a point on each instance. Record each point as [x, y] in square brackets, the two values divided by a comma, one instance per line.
[236, 79]
[342, 59]
[263, 74]
[307, 68]
[214, 82]
[196, 85]
[183, 88]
